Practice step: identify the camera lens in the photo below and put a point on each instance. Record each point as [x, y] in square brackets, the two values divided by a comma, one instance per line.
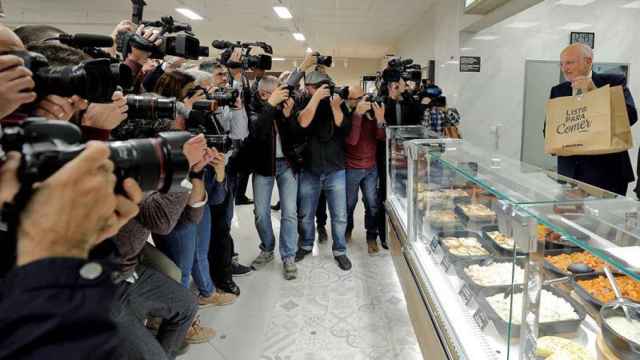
[155, 163]
[226, 97]
[151, 107]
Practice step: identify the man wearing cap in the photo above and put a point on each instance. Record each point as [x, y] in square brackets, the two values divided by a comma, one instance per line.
[326, 122]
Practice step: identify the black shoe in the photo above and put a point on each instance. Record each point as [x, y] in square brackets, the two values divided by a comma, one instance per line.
[243, 200]
[343, 262]
[322, 234]
[276, 207]
[238, 269]
[384, 245]
[301, 253]
[229, 287]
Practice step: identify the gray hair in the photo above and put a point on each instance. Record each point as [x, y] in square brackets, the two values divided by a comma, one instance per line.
[585, 50]
[199, 75]
[268, 83]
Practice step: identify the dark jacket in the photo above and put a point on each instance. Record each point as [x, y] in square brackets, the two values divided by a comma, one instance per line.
[48, 310]
[412, 112]
[264, 121]
[325, 152]
[609, 171]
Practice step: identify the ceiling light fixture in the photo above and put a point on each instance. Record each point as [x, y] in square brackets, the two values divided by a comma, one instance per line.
[189, 14]
[575, 26]
[522, 24]
[299, 36]
[466, 49]
[282, 12]
[632, 5]
[278, 59]
[575, 2]
[486, 37]
[309, 50]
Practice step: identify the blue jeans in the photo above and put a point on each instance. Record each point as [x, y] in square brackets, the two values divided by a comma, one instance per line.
[367, 180]
[188, 247]
[288, 190]
[334, 186]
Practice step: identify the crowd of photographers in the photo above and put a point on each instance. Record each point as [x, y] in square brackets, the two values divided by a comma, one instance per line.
[112, 140]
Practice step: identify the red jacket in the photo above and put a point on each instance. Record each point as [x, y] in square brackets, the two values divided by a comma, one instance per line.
[361, 143]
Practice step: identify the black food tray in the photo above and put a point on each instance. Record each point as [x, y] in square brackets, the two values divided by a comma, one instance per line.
[546, 329]
[501, 250]
[554, 269]
[475, 287]
[464, 234]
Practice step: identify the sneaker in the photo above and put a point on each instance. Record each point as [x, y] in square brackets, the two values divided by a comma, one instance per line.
[238, 269]
[301, 253]
[229, 287]
[343, 262]
[290, 269]
[243, 200]
[276, 207]
[263, 259]
[372, 247]
[198, 334]
[218, 298]
[322, 234]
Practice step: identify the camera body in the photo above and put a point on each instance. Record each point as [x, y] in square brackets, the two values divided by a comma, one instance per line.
[93, 80]
[247, 61]
[47, 145]
[222, 97]
[324, 60]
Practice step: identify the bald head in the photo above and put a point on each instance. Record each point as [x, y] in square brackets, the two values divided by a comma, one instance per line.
[9, 41]
[576, 60]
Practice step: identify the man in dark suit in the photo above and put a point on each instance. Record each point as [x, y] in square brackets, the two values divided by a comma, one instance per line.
[612, 172]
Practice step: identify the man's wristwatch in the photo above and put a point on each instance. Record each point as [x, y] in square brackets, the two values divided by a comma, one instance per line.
[196, 175]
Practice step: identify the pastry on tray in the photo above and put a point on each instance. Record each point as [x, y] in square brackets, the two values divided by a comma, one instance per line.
[464, 246]
[478, 212]
[442, 218]
[501, 240]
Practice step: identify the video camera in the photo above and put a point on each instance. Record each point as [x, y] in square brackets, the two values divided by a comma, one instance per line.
[182, 42]
[222, 97]
[398, 68]
[324, 60]
[247, 61]
[47, 145]
[90, 44]
[94, 80]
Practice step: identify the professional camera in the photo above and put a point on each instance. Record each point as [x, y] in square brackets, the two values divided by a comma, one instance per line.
[46, 145]
[196, 126]
[324, 60]
[428, 91]
[399, 63]
[90, 44]
[247, 61]
[93, 80]
[412, 72]
[151, 107]
[222, 97]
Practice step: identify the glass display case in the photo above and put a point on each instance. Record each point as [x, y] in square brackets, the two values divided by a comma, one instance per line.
[509, 259]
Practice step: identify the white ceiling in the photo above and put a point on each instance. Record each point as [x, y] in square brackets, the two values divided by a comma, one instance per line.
[342, 28]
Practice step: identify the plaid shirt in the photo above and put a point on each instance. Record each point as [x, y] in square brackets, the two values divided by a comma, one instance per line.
[437, 120]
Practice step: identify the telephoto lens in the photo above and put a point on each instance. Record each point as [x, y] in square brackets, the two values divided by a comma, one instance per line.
[151, 107]
[224, 97]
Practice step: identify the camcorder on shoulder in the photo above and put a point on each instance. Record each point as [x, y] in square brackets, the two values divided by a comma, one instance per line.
[177, 38]
[247, 61]
[93, 80]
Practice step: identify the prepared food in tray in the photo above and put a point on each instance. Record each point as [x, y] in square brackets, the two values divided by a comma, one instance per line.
[439, 198]
[477, 212]
[560, 262]
[495, 274]
[464, 246]
[599, 289]
[629, 329]
[553, 308]
[555, 348]
[442, 218]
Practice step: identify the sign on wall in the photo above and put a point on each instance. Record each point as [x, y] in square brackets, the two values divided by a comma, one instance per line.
[586, 38]
[469, 63]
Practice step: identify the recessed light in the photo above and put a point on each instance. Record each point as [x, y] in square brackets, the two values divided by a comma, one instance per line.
[466, 49]
[189, 14]
[575, 26]
[632, 5]
[278, 59]
[282, 12]
[486, 37]
[309, 50]
[522, 24]
[575, 2]
[299, 36]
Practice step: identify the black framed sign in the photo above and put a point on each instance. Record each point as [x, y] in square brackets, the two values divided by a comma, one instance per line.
[469, 63]
[586, 38]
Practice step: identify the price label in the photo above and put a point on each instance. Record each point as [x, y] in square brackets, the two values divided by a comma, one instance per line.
[466, 294]
[481, 319]
[434, 244]
[446, 265]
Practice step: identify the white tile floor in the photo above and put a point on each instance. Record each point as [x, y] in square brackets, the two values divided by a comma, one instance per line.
[325, 313]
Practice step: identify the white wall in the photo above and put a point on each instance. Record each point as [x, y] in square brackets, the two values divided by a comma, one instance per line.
[341, 74]
[496, 94]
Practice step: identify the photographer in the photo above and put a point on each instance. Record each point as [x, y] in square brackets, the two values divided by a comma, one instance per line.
[438, 116]
[275, 132]
[326, 123]
[366, 130]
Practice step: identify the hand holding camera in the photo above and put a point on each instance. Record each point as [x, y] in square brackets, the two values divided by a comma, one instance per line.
[194, 149]
[363, 107]
[287, 109]
[107, 116]
[56, 107]
[378, 111]
[199, 95]
[16, 84]
[218, 165]
[309, 61]
[321, 93]
[278, 96]
[336, 102]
